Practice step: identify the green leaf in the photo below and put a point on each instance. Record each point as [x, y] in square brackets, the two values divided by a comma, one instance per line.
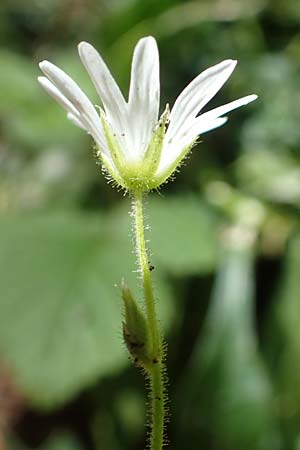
[287, 356]
[273, 176]
[183, 234]
[56, 441]
[61, 441]
[60, 320]
[228, 385]
[37, 121]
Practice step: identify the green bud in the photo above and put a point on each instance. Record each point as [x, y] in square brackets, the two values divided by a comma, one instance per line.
[135, 330]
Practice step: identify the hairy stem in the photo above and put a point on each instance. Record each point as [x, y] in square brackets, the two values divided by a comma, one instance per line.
[156, 369]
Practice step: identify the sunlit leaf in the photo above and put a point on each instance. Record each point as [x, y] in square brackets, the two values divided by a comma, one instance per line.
[272, 176]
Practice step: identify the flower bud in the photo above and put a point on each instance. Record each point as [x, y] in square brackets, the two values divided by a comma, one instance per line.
[135, 330]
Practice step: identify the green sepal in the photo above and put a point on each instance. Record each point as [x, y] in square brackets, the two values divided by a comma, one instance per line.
[175, 166]
[113, 145]
[135, 330]
[152, 155]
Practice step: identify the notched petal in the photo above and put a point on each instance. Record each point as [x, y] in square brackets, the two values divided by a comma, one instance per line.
[144, 92]
[198, 93]
[106, 87]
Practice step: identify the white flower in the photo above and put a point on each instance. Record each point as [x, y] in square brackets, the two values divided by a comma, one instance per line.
[138, 149]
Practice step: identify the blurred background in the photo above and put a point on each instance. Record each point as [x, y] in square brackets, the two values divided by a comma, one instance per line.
[225, 236]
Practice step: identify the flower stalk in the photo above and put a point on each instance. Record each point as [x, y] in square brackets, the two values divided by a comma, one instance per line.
[155, 370]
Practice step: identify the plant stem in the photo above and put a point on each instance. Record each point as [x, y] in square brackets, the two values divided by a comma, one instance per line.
[156, 369]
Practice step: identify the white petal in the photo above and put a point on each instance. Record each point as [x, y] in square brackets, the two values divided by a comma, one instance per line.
[202, 126]
[75, 120]
[198, 93]
[143, 102]
[69, 89]
[57, 95]
[221, 110]
[173, 148]
[107, 89]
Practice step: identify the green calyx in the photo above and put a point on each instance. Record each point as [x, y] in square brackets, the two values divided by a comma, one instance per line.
[135, 330]
[138, 175]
